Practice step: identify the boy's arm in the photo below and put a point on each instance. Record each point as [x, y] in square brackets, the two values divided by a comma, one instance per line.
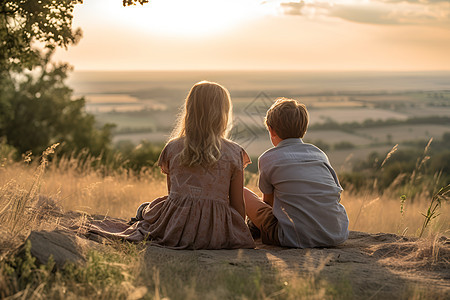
[268, 198]
[264, 182]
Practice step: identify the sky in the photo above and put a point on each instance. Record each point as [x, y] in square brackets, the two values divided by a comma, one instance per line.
[344, 35]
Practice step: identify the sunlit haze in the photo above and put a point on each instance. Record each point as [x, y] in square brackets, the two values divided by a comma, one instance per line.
[284, 35]
[187, 18]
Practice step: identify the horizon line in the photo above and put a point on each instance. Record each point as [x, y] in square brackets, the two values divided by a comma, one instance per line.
[263, 70]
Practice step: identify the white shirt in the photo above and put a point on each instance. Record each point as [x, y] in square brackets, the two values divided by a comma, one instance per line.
[306, 195]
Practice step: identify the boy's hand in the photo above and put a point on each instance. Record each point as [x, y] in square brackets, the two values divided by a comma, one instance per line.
[268, 198]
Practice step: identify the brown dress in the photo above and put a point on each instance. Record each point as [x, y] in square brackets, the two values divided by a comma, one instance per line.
[197, 212]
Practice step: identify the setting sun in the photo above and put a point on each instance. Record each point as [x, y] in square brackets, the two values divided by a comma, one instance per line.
[187, 18]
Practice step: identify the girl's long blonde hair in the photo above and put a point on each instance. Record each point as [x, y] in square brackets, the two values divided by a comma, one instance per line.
[204, 123]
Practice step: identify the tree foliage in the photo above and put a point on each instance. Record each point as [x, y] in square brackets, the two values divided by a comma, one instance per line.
[23, 23]
[42, 112]
[36, 106]
[134, 2]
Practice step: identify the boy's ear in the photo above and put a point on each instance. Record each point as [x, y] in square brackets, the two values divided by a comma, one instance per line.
[272, 132]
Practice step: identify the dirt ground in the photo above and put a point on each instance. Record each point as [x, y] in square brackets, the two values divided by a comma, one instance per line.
[376, 266]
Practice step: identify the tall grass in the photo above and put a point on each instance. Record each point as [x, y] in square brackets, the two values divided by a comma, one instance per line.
[27, 189]
[398, 209]
[18, 207]
[118, 194]
[435, 204]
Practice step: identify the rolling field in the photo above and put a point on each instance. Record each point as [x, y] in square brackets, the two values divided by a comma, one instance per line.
[403, 133]
[145, 105]
[343, 115]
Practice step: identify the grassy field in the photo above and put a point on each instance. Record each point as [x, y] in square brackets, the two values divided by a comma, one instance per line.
[118, 195]
[118, 271]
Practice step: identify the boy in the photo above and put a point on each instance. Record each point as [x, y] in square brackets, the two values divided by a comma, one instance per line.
[301, 192]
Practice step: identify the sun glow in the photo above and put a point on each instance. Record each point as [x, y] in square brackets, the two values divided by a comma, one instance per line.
[189, 18]
[261, 34]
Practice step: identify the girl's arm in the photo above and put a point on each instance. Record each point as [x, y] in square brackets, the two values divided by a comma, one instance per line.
[168, 184]
[237, 193]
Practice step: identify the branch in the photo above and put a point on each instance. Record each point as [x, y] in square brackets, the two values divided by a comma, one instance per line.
[134, 2]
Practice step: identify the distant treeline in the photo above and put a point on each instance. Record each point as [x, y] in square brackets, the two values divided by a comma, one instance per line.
[423, 167]
[370, 123]
[248, 130]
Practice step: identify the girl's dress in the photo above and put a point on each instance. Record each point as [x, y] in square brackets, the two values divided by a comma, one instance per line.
[197, 212]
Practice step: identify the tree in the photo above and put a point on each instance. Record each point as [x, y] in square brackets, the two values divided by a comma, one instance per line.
[42, 112]
[133, 2]
[23, 23]
[36, 106]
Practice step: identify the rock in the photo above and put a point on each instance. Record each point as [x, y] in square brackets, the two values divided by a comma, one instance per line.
[63, 245]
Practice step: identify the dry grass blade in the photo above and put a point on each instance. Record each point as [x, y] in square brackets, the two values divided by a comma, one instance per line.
[427, 147]
[420, 163]
[5, 199]
[293, 224]
[362, 207]
[389, 154]
[435, 204]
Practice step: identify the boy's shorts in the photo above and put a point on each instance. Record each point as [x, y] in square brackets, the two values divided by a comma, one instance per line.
[269, 225]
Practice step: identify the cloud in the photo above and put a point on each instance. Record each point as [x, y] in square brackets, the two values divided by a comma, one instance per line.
[415, 1]
[363, 14]
[293, 8]
[388, 12]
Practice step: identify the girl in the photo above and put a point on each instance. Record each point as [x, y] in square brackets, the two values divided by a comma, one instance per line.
[204, 208]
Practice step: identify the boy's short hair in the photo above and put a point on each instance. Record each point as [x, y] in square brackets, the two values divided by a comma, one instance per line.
[288, 118]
